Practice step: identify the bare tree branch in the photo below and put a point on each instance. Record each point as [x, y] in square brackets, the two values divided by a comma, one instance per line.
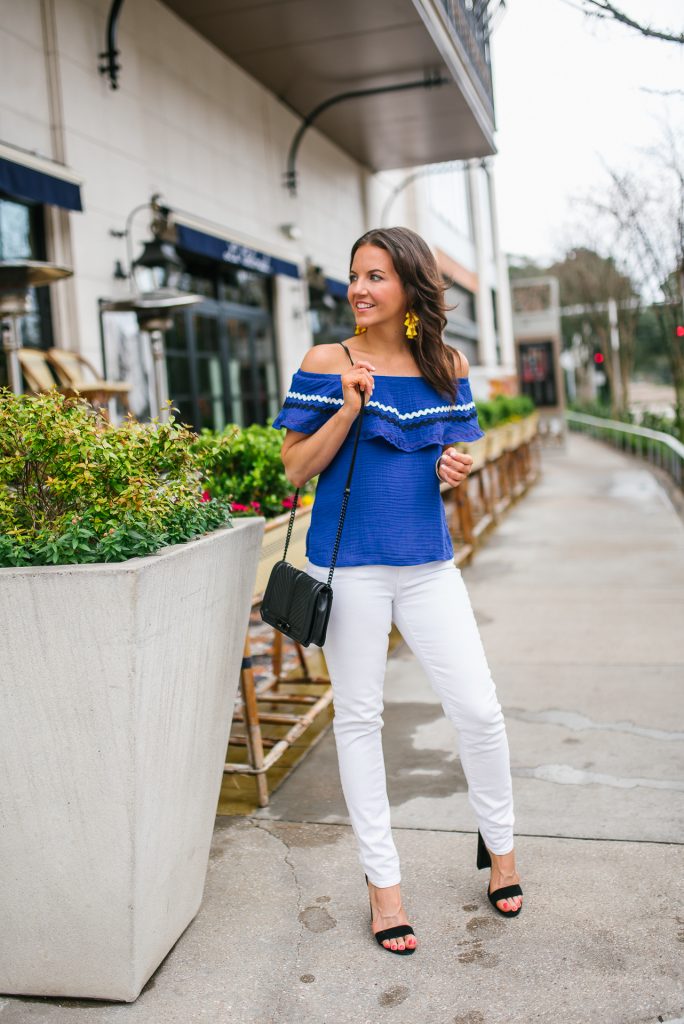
[605, 9]
[662, 92]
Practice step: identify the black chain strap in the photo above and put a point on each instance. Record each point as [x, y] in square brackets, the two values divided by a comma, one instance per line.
[345, 496]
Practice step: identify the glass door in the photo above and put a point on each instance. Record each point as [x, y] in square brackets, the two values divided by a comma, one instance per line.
[240, 376]
[252, 369]
[210, 393]
[221, 365]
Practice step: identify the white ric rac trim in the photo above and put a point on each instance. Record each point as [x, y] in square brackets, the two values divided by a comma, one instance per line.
[325, 400]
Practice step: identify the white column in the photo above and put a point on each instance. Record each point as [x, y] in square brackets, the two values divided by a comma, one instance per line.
[485, 312]
[58, 227]
[291, 324]
[504, 312]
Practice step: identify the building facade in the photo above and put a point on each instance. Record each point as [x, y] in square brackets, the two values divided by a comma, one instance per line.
[207, 103]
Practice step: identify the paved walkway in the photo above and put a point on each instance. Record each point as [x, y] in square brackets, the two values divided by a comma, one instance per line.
[579, 595]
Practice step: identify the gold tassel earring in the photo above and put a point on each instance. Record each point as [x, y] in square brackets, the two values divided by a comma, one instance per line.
[360, 330]
[411, 324]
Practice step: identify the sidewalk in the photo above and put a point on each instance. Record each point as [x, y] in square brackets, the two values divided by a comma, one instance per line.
[580, 598]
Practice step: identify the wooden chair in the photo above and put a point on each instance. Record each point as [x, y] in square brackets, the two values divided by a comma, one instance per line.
[78, 373]
[36, 370]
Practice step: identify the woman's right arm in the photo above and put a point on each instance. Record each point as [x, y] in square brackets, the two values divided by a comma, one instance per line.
[306, 455]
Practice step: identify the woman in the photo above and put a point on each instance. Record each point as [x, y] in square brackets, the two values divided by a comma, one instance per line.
[395, 561]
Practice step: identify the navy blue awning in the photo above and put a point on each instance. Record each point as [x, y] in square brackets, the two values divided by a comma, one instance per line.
[38, 187]
[225, 251]
[336, 288]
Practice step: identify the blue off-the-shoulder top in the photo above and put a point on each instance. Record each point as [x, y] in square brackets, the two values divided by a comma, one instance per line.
[395, 514]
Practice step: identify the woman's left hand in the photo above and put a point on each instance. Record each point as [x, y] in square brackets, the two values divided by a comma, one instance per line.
[454, 466]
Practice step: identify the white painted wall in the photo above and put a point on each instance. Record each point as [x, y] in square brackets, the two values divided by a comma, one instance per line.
[186, 122]
[189, 123]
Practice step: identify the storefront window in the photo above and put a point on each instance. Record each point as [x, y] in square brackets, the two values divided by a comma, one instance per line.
[222, 365]
[463, 301]
[330, 316]
[22, 237]
[461, 327]
[244, 288]
[17, 231]
[224, 282]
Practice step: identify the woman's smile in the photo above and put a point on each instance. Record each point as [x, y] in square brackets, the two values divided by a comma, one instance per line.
[373, 271]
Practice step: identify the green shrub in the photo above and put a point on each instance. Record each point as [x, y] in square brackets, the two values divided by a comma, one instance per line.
[75, 489]
[502, 409]
[603, 411]
[656, 421]
[243, 464]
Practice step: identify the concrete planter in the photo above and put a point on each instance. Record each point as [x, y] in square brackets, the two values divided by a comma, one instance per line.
[530, 426]
[116, 699]
[477, 449]
[513, 434]
[273, 544]
[496, 442]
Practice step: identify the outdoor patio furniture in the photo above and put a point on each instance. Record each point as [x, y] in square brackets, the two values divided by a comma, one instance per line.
[257, 708]
[36, 371]
[78, 373]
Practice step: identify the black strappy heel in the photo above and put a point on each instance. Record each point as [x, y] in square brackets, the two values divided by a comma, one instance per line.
[391, 933]
[485, 861]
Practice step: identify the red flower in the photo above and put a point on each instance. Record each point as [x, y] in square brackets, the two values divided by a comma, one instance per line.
[206, 496]
[256, 505]
[239, 508]
[287, 502]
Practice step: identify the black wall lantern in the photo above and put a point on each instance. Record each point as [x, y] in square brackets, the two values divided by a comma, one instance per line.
[159, 256]
[155, 296]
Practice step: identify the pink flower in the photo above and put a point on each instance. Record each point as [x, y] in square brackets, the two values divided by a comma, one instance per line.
[256, 505]
[206, 496]
[239, 508]
[287, 502]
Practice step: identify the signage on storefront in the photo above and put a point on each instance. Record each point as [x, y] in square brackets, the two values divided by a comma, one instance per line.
[250, 259]
[232, 252]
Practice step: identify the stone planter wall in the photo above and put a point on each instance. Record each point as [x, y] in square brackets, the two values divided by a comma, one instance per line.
[116, 700]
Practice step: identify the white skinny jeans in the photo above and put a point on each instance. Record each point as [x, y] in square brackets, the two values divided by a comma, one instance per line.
[430, 606]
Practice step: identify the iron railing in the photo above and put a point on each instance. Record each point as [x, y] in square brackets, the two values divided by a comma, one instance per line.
[470, 19]
[661, 449]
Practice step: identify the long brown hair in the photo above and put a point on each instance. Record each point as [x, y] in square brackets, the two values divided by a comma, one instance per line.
[422, 281]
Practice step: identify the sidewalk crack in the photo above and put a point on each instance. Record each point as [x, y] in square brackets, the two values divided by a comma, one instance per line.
[263, 827]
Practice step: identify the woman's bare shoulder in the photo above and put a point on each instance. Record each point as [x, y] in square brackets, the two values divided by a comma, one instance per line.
[461, 365]
[328, 358]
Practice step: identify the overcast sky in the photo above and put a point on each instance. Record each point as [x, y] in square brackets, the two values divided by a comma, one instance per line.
[569, 93]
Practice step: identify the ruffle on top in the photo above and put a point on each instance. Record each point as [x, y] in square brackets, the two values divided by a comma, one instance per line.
[406, 411]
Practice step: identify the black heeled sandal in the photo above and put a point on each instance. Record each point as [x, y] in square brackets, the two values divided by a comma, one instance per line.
[485, 861]
[391, 933]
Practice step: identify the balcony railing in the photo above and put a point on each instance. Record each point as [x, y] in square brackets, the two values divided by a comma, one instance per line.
[470, 19]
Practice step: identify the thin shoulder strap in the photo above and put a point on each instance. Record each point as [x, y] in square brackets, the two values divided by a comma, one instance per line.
[348, 352]
[346, 493]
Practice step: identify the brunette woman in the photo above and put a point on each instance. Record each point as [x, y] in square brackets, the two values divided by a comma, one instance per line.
[395, 560]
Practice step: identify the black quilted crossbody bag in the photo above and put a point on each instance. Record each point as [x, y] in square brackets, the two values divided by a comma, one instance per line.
[294, 602]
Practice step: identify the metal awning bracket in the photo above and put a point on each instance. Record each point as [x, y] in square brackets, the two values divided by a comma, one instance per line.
[430, 80]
